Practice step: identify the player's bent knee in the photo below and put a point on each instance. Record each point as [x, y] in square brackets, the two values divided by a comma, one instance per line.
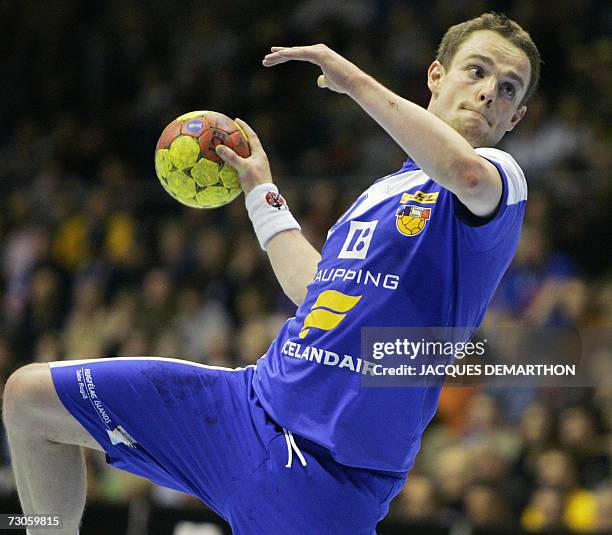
[24, 393]
[31, 406]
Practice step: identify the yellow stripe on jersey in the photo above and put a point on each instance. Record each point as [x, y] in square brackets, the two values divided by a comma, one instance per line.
[321, 319]
[336, 301]
[420, 197]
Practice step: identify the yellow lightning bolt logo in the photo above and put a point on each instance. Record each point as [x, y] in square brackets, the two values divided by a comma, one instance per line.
[327, 311]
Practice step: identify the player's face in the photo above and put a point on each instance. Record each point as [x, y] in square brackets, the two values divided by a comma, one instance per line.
[479, 94]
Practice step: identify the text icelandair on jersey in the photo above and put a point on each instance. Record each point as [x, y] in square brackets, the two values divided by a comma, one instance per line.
[327, 358]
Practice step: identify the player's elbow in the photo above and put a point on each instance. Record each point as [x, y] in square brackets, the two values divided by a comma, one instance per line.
[296, 288]
[471, 178]
[298, 297]
[295, 292]
[480, 187]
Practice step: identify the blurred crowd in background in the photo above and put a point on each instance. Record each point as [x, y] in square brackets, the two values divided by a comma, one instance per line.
[97, 261]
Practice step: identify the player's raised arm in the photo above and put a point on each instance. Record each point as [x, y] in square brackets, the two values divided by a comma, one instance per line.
[294, 260]
[440, 151]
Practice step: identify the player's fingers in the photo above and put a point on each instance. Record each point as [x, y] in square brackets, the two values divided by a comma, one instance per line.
[253, 138]
[229, 156]
[323, 81]
[280, 54]
[274, 59]
[306, 53]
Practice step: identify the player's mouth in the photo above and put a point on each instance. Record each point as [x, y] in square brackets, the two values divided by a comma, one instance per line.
[480, 114]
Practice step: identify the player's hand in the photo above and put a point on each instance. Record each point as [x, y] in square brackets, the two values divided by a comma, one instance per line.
[253, 170]
[339, 74]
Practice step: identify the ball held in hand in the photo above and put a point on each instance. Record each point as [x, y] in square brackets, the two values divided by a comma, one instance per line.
[187, 164]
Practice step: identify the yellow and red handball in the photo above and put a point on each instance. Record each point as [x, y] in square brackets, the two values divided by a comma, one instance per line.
[188, 166]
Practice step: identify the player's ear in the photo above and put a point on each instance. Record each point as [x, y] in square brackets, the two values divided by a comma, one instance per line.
[435, 73]
[518, 115]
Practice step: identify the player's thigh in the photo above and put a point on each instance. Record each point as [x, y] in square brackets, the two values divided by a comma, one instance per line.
[31, 404]
[184, 425]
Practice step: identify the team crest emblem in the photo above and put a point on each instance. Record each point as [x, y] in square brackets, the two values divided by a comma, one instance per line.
[410, 220]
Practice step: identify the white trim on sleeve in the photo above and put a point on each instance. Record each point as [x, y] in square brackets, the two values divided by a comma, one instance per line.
[517, 185]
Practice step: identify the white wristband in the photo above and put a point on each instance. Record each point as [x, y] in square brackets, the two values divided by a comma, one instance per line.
[269, 212]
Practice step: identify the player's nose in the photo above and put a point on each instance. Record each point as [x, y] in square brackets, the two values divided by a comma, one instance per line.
[487, 92]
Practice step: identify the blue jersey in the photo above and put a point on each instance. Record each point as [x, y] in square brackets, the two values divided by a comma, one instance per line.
[407, 253]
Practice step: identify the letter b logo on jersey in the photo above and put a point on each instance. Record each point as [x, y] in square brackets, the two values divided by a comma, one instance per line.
[358, 240]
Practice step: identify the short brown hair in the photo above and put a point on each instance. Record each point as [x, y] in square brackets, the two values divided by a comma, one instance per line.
[456, 35]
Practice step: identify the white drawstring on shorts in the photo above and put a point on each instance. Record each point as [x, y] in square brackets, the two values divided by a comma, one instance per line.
[291, 447]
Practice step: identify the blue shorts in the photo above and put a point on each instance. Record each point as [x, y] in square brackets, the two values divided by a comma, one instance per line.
[201, 430]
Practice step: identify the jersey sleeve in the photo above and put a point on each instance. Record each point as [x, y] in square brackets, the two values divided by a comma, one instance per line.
[484, 233]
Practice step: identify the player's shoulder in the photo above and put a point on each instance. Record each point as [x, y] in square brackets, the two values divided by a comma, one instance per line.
[511, 170]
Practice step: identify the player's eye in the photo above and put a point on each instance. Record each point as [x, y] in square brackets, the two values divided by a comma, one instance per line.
[476, 71]
[509, 90]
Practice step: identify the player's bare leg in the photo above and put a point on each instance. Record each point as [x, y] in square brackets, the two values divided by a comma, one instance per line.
[44, 441]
